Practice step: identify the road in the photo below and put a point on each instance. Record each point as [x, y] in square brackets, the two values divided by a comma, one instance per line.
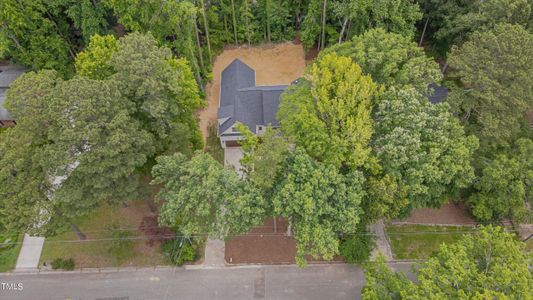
[268, 282]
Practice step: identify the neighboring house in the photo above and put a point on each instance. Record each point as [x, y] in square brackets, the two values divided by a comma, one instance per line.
[440, 93]
[242, 101]
[8, 74]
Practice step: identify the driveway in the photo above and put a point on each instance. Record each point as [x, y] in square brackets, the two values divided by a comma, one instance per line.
[232, 157]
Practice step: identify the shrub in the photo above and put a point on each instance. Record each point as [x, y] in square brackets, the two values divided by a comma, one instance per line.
[65, 264]
[178, 255]
[357, 248]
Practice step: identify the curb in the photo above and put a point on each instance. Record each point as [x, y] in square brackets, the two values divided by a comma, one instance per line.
[92, 270]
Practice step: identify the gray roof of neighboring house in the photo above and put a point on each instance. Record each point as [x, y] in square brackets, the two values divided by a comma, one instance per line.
[8, 74]
[249, 104]
[439, 93]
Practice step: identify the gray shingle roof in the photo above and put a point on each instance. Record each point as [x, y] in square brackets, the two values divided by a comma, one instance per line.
[8, 74]
[438, 93]
[236, 75]
[249, 104]
[4, 114]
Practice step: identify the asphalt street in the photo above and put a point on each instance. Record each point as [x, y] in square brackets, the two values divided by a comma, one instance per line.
[267, 282]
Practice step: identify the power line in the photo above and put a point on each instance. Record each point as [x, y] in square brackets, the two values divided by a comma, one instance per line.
[271, 234]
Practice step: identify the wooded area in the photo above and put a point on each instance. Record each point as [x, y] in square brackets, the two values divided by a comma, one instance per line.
[116, 83]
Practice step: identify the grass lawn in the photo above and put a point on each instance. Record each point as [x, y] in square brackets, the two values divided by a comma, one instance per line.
[9, 253]
[99, 226]
[213, 146]
[419, 241]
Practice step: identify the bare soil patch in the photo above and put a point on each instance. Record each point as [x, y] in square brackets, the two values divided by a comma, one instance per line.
[273, 64]
[264, 245]
[448, 214]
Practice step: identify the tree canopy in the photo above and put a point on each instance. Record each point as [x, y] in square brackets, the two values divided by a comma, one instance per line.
[453, 22]
[319, 203]
[329, 113]
[79, 147]
[390, 58]
[494, 69]
[423, 146]
[505, 185]
[486, 265]
[204, 198]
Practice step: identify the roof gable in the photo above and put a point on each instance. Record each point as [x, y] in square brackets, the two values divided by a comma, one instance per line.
[235, 76]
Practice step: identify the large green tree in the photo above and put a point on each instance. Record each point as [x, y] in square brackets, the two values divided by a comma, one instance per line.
[490, 264]
[423, 146]
[30, 36]
[506, 185]
[329, 112]
[24, 188]
[161, 86]
[86, 151]
[452, 22]
[172, 23]
[95, 61]
[204, 198]
[319, 204]
[390, 58]
[495, 84]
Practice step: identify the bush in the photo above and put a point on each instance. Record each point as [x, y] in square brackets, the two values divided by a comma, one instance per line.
[356, 249]
[178, 255]
[120, 246]
[65, 264]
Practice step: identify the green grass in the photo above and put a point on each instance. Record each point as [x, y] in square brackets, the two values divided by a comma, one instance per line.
[420, 241]
[213, 146]
[9, 252]
[97, 226]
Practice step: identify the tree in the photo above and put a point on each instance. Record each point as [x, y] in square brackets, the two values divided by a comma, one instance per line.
[263, 155]
[453, 22]
[163, 90]
[397, 16]
[311, 28]
[83, 149]
[319, 203]
[89, 16]
[172, 23]
[490, 264]
[506, 185]
[391, 59]
[494, 69]
[329, 112]
[202, 197]
[95, 61]
[22, 178]
[32, 38]
[423, 146]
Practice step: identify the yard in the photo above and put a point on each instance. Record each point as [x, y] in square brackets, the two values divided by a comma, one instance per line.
[273, 63]
[102, 228]
[419, 241]
[10, 245]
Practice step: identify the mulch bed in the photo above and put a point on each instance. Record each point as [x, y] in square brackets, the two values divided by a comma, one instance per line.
[264, 245]
[449, 214]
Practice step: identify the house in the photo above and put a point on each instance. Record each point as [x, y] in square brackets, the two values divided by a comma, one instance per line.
[439, 94]
[8, 74]
[242, 101]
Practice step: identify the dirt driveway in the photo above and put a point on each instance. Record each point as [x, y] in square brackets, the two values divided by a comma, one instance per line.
[273, 64]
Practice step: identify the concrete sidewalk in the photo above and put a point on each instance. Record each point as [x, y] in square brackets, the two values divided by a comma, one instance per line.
[382, 243]
[30, 253]
[214, 256]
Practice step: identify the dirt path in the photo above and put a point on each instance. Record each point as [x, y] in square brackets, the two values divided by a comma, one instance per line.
[273, 64]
